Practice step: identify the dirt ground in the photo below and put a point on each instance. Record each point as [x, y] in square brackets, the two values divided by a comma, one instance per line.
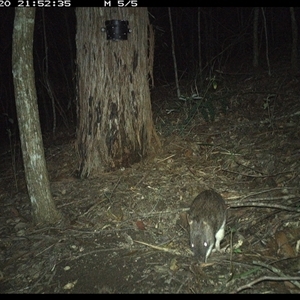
[127, 230]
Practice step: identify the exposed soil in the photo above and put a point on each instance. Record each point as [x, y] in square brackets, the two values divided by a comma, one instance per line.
[127, 230]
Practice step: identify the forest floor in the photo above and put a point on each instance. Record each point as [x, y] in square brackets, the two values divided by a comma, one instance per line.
[127, 230]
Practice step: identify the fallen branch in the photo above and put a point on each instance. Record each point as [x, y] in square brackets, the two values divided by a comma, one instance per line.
[266, 278]
[276, 271]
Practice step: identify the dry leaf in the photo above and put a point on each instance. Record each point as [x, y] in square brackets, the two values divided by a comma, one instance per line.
[70, 285]
[284, 247]
[140, 225]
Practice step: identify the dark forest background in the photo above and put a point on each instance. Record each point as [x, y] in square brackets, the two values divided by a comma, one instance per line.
[226, 46]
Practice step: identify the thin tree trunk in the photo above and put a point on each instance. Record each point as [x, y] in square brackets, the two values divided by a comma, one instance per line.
[267, 40]
[255, 37]
[173, 54]
[43, 208]
[199, 44]
[294, 55]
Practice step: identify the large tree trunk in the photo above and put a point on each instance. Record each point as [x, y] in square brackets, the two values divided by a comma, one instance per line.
[43, 209]
[115, 127]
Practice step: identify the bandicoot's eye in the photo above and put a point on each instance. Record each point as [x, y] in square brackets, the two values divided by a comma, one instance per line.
[205, 244]
[192, 245]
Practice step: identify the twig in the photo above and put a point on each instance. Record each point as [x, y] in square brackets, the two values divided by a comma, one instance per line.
[160, 248]
[268, 191]
[40, 277]
[142, 179]
[255, 204]
[285, 198]
[254, 176]
[95, 251]
[107, 198]
[72, 202]
[116, 185]
[161, 160]
[46, 249]
[182, 284]
[175, 211]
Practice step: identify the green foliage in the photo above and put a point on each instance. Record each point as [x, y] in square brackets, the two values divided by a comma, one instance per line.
[202, 105]
[206, 106]
[206, 103]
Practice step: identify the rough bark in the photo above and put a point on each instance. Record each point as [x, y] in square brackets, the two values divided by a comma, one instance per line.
[115, 127]
[43, 208]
